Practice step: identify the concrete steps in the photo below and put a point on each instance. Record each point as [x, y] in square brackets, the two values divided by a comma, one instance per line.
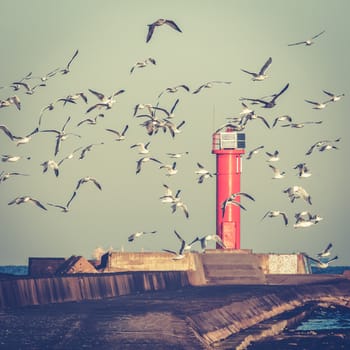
[232, 268]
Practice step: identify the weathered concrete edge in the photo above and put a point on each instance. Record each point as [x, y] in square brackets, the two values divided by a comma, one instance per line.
[279, 326]
[216, 325]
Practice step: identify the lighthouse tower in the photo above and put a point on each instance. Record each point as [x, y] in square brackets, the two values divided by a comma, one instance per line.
[228, 145]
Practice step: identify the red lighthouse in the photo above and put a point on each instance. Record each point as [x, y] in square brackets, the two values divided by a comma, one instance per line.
[229, 147]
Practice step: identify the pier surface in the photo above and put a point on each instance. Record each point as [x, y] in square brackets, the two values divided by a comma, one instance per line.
[189, 317]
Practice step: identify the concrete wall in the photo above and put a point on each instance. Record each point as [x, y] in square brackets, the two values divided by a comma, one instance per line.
[148, 261]
[158, 261]
[37, 291]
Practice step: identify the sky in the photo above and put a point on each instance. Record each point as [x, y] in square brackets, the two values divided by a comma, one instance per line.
[218, 39]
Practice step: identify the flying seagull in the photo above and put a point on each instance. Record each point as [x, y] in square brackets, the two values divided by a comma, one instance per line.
[307, 42]
[303, 170]
[120, 135]
[318, 105]
[5, 176]
[277, 174]
[142, 64]
[139, 234]
[209, 85]
[27, 199]
[144, 160]
[174, 89]
[326, 251]
[159, 22]
[322, 145]
[319, 263]
[204, 241]
[61, 135]
[267, 104]
[170, 169]
[261, 74]
[334, 97]
[7, 132]
[66, 70]
[185, 247]
[88, 179]
[64, 208]
[143, 147]
[105, 101]
[50, 164]
[297, 192]
[282, 118]
[274, 214]
[254, 151]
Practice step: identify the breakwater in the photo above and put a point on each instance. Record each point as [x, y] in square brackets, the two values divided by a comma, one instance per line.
[206, 317]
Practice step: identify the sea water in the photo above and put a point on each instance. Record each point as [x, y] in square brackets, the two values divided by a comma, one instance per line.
[334, 317]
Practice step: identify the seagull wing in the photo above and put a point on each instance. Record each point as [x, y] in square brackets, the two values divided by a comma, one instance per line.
[285, 218]
[265, 66]
[150, 32]
[251, 73]
[37, 203]
[71, 60]
[298, 43]
[99, 95]
[6, 131]
[312, 102]
[317, 35]
[281, 92]
[173, 25]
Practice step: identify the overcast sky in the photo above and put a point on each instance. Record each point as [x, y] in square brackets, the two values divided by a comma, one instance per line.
[218, 39]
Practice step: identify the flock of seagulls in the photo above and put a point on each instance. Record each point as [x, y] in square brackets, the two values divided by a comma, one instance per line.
[157, 118]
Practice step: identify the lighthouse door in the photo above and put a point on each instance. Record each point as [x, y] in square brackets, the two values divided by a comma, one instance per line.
[228, 230]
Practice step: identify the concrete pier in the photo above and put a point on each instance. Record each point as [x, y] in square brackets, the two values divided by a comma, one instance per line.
[221, 300]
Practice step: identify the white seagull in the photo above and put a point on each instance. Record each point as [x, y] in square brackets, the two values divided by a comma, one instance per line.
[10, 158]
[303, 170]
[142, 64]
[139, 234]
[326, 252]
[159, 22]
[88, 179]
[277, 174]
[143, 147]
[174, 89]
[274, 214]
[204, 241]
[273, 157]
[170, 169]
[307, 42]
[120, 135]
[144, 160]
[105, 101]
[321, 264]
[64, 208]
[254, 151]
[66, 69]
[5, 176]
[61, 135]
[297, 192]
[334, 97]
[261, 74]
[282, 118]
[318, 105]
[27, 199]
[52, 165]
[209, 85]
